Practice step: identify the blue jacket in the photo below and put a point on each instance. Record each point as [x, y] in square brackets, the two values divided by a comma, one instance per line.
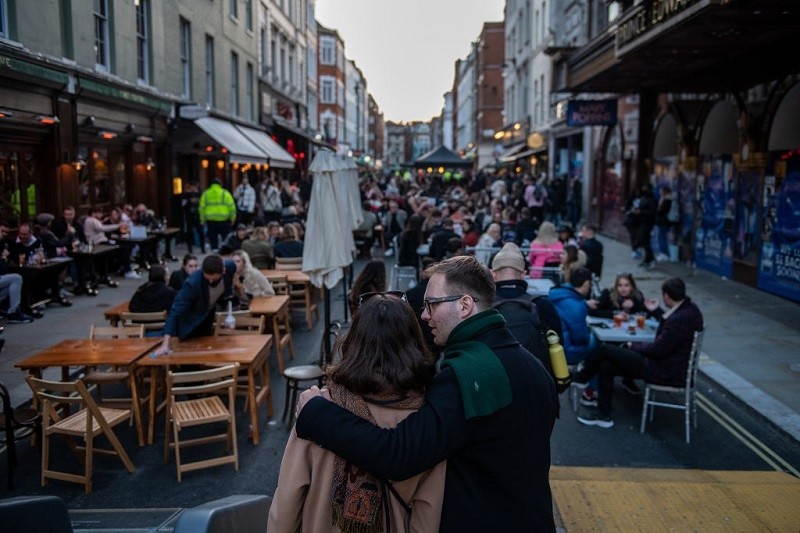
[191, 305]
[578, 341]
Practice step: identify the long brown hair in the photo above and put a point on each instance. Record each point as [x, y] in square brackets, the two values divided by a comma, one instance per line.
[636, 294]
[384, 351]
[371, 279]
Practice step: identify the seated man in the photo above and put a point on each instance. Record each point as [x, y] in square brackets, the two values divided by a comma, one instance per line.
[33, 249]
[155, 295]
[259, 249]
[234, 240]
[664, 361]
[10, 283]
[577, 339]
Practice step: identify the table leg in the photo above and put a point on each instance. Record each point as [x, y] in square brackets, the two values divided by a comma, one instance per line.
[308, 305]
[152, 404]
[136, 406]
[251, 398]
[276, 340]
[168, 249]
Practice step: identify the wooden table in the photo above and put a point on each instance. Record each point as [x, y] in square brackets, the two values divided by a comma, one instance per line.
[95, 352]
[114, 314]
[167, 234]
[38, 277]
[605, 331]
[297, 277]
[86, 261]
[275, 310]
[250, 351]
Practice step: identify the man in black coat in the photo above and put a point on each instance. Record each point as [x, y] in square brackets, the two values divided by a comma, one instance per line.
[489, 412]
[592, 248]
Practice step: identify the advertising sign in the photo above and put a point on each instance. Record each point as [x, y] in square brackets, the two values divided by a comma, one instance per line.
[716, 194]
[779, 271]
[591, 113]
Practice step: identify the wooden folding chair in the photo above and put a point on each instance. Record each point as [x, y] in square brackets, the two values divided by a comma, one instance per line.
[245, 324]
[208, 408]
[153, 322]
[90, 421]
[100, 376]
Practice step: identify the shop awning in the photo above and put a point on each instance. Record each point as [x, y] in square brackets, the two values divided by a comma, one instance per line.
[278, 157]
[508, 155]
[240, 148]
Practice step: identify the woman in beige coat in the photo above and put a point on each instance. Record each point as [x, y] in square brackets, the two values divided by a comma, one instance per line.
[384, 371]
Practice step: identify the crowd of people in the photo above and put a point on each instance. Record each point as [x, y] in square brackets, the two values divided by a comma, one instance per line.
[450, 385]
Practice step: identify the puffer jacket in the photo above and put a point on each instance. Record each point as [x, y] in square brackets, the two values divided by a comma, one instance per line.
[578, 341]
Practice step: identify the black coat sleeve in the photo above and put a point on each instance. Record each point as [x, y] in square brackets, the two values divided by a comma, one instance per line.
[418, 443]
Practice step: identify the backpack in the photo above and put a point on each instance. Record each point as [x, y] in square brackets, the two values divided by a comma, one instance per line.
[522, 320]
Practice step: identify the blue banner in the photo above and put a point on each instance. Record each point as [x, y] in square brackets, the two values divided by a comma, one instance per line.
[717, 198]
[591, 113]
[779, 271]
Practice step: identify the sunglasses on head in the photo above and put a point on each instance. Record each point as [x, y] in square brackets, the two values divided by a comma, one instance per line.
[400, 295]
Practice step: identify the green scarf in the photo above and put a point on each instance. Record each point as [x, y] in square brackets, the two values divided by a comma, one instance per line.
[481, 377]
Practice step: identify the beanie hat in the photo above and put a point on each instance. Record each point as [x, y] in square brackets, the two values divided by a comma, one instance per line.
[509, 256]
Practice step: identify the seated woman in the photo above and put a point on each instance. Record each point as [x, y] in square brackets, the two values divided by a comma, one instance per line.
[384, 371]
[177, 278]
[248, 282]
[155, 295]
[571, 259]
[259, 249]
[371, 279]
[545, 250]
[289, 244]
[624, 297]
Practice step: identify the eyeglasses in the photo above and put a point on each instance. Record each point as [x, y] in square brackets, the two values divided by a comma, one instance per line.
[428, 303]
[400, 295]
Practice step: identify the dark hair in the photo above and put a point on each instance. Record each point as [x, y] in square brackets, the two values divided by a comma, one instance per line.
[675, 288]
[371, 279]
[213, 264]
[463, 274]
[454, 244]
[384, 350]
[158, 274]
[580, 276]
[187, 258]
[591, 227]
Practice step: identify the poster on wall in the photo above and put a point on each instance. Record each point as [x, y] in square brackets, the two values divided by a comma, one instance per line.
[687, 190]
[779, 271]
[716, 194]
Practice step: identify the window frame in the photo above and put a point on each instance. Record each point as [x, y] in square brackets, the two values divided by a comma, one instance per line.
[210, 73]
[143, 41]
[186, 57]
[102, 43]
[234, 83]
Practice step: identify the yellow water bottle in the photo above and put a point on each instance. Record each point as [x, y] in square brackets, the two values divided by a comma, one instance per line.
[558, 362]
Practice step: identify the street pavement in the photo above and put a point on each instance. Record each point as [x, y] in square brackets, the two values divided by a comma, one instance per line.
[751, 351]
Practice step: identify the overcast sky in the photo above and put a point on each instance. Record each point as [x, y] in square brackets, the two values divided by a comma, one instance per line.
[407, 48]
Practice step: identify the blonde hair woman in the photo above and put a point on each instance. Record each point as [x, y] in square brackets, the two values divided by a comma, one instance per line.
[247, 281]
[545, 250]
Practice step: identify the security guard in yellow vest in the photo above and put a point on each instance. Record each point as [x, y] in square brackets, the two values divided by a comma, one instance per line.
[217, 212]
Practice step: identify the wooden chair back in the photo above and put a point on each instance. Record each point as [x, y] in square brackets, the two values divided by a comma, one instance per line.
[116, 332]
[288, 263]
[245, 325]
[87, 423]
[206, 409]
[151, 321]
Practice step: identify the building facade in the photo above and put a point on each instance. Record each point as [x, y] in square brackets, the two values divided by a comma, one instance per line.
[490, 57]
[331, 68]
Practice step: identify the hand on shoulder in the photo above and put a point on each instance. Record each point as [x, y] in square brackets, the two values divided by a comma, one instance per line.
[306, 395]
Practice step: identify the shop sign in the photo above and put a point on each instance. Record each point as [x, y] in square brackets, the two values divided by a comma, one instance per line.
[23, 67]
[648, 16]
[591, 113]
[122, 94]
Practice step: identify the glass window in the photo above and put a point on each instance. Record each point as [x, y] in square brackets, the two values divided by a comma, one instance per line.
[291, 66]
[249, 101]
[234, 83]
[19, 180]
[248, 14]
[186, 58]
[263, 41]
[234, 8]
[3, 19]
[142, 40]
[327, 90]
[101, 49]
[210, 70]
[327, 50]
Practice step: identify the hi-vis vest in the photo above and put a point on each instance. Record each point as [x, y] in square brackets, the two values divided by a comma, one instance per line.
[216, 205]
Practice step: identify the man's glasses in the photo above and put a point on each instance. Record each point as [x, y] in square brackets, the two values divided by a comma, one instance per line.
[428, 303]
[400, 295]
